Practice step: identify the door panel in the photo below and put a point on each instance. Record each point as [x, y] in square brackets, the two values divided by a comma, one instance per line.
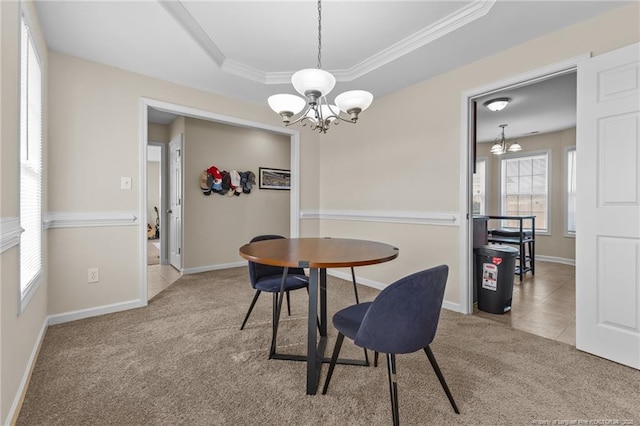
[608, 206]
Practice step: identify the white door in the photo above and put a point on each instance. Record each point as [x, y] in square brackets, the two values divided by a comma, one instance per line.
[175, 203]
[608, 206]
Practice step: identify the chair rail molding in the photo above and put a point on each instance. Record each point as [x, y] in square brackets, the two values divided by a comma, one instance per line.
[386, 216]
[89, 219]
[10, 231]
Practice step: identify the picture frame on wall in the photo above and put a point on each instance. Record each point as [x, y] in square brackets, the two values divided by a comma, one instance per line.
[274, 178]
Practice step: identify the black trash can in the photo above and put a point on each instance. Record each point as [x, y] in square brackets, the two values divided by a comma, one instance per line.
[494, 273]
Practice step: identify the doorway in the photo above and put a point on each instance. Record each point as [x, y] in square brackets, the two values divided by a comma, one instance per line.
[534, 177]
[174, 110]
[531, 293]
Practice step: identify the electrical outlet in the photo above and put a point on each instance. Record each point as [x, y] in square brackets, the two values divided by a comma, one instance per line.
[93, 275]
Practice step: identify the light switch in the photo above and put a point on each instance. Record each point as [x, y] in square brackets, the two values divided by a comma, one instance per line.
[125, 183]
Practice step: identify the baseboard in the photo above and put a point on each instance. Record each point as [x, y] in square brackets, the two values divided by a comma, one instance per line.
[554, 259]
[94, 312]
[364, 281]
[208, 268]
[451, 306]
[14, 411]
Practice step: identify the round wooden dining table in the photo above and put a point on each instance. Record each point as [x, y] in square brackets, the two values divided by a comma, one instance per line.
[317, 254]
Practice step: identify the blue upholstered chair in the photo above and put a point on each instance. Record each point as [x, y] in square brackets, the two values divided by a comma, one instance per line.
[402, 319]
[269, 279]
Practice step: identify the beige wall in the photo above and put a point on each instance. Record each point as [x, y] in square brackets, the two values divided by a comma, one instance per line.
[404, 153]
[19, 332]
[556, 244]
[94, 94]
[215, 226]
[158, 133]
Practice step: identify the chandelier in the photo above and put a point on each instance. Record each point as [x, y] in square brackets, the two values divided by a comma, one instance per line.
[315, 85]
[500, 146]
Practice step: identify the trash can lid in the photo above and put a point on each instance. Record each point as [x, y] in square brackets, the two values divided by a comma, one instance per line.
[496, 250]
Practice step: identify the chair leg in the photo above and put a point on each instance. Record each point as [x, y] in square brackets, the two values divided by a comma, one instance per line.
[434, 364]
[253, 302]
[355, 292]
[393, 388]
[334, 358]
[288, 304]
[375, 359]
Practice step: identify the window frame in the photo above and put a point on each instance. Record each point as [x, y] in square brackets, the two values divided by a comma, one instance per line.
[25, 295]
[512, 156]
[485, 182]
[565, 191]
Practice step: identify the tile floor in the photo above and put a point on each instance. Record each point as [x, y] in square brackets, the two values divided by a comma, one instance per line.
[543, 304]
[160, 277]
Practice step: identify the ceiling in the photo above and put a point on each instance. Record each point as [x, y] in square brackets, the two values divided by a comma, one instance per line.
[249, 49]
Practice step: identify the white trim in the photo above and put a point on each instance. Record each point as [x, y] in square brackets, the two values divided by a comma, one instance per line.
[10, 231]
[26, 376]
[89, 219]
[191, 26]
[364, 281]
[142, 178]
[94, 312]
[433, 32]
[554, 259]
[485, 182]
[207, 268]
[529, 77]
[455, 20]
[451, 306]
[386, 216]
[565, 191]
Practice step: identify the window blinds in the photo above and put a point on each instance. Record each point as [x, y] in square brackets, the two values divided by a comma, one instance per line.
[30, 163]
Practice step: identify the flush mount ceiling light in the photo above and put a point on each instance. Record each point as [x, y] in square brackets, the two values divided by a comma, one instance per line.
[315, 85]
[497, 104]
[501, 146]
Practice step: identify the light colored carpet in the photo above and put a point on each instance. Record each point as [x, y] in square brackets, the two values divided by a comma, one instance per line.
[183, 360]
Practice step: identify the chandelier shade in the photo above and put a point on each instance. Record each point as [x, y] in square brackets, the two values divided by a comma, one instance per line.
[354, 99]
[286, 103]
[315, 84]
[313, 80]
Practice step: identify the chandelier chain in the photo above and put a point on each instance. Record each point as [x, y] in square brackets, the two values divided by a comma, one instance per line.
[319, 35]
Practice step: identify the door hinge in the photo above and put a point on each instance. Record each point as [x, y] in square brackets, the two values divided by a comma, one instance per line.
[179, 250]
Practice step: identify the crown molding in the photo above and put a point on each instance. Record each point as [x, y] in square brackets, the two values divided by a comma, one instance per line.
[89, 219]
[444, 26]
[191, 26]
[10, 231]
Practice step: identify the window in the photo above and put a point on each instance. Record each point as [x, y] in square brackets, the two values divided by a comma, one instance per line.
[525, 188]
[479, 187]
[571, 192]
[30, 166]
